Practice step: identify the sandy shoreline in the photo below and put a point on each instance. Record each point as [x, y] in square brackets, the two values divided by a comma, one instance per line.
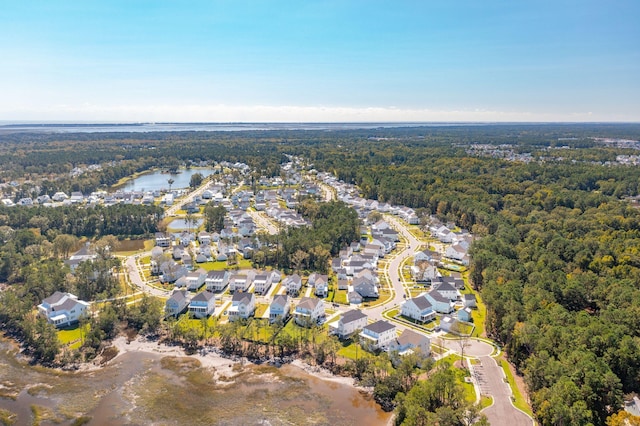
[210, 358]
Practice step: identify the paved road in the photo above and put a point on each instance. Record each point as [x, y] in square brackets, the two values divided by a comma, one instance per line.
[472, 347]
[263, 222]
[392, 270]
[136, 278]
[490, 378]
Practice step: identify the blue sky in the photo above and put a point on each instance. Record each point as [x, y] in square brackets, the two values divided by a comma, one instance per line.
[243, 60]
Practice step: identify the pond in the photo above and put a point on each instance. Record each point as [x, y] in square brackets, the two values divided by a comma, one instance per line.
[158, 180]
[181, 225]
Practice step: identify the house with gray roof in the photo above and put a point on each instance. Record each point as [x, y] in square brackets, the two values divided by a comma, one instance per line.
[280, 307]
[63, 309]
[217, 281]
[177, 303]
[419, 309]
[203, 304]
[309, 311]
[411, 342]
[378, 336]
[348, 324]
[243, 306]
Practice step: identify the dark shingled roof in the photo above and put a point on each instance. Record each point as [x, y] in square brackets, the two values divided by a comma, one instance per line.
[421, 302]
[352, 315]
[380, 326]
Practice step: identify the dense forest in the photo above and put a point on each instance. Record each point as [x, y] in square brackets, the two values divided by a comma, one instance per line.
[557, 261]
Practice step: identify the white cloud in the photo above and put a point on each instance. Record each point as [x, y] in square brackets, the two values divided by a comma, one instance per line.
[266, 113]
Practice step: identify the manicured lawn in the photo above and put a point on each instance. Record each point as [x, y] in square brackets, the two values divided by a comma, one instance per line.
[223, 265]
[72, 337]
[261, 308]
[519, 400]
[353, 351]
[340, 297]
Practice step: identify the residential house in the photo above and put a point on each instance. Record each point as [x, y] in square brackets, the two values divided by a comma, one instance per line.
[365, 287]
[309, 311]
[177, 303]
[217, 281]
[321, 286]
[469, 301]
[242, 305]
[410, 342]
[280, 307]
[349, 323]
[464, 314]
[63, 309]
[440, 303]
[241, 282]
[378, 336]
[456, 252]
[203, 304]
[196, 279]
[171, 271]
[204, 238]
[446, 290]
[354, 298]
[262, 282]
[343, 284]
[76, 197]
[449, 324]
[293, 284]
[419, 309]
[82, 255]
[424, 271]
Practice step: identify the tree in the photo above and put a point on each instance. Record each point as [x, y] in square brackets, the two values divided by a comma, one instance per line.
[63, 244]
[196, 180]
[214, 217]
[170, 181]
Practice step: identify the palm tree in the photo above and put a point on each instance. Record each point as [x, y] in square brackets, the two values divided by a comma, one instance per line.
[170, 182]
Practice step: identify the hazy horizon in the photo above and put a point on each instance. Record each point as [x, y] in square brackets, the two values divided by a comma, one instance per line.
[330, 61]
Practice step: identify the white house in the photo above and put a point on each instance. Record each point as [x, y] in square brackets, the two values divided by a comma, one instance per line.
[196, 279]
[411, 342]
[424, 271]
[217, 280]
[239, 282]
[203, 304]
[293, 284]
[378, 335]
[322, 286]
[309, 311]
[446, 290]
[177, 303]
[242, 305]
[469, 301]
[280, 307]
[163, 240]
[262, 283]
[418, 309]
[63, 309]
[456, 252]
[350, 322]
[440, 304]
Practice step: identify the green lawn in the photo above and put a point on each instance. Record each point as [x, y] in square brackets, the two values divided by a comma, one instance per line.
[72, 337]
[519, 400]
[353, 351]
[261, 308]
[341, 297]
[223, 265]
